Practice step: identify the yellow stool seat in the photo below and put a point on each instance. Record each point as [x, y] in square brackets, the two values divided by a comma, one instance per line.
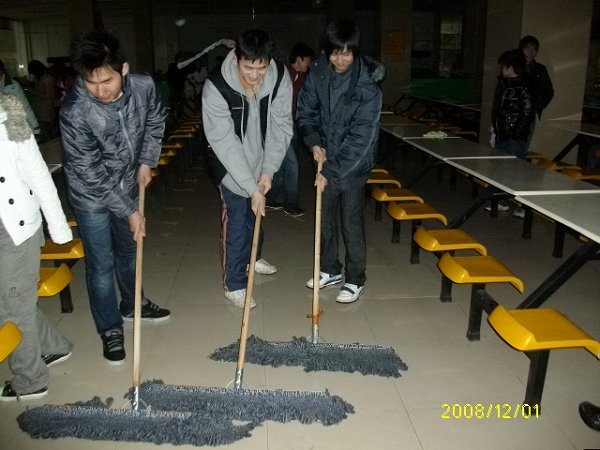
[172, 145]
[53, 280]
[72, 223]
[414, 211]
[378, 170]
[164, 160]
[10, 336]
[540, 329]
[382, 178]
[447, 240]
[477, 270]
[181, 136]
[70, 250]
[394, 194]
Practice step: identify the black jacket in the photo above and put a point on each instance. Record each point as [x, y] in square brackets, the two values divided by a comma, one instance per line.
[542, 90]
[104, 144]
[350, 131]
[512, 110]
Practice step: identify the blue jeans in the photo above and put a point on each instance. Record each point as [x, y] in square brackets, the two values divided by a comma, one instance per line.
[287, 176]
[349, 205]
[109, 251]
[237, 228]
[513, 147]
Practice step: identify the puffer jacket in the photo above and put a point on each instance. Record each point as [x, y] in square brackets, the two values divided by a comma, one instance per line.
[104, 144]
[348, 133]
[25, 184]
[512, 110]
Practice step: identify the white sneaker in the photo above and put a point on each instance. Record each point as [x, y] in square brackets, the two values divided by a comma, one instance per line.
[325, 280]
[262, 267]
[501, 207]
[238, 298]
[349, 293]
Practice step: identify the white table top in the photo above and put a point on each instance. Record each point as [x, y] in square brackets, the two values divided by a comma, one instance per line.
[456, 149]
[576, 126]
[519, 177]
[413, 130]
[392, 119]
[579, 212]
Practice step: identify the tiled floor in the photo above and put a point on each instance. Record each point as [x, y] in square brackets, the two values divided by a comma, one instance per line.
[400, 307]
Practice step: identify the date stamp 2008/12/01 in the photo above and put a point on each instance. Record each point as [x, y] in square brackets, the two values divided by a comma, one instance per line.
[489, 411]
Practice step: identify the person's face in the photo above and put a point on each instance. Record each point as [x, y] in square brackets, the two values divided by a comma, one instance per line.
[252, 71]
[530, 52]
[341, 59]
[105, 83]
[303, 63]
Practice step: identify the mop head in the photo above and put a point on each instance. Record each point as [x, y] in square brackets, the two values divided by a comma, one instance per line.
[365, 359]
[248, 405]
[96, 421]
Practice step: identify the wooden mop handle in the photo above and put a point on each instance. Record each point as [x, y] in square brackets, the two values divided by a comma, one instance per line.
[247, 302]
[137, 309]
[317, 264]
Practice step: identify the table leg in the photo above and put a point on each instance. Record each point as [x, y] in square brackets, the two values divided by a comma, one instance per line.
[590, 250]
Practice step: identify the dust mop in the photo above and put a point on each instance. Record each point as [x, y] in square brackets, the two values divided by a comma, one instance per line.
[314, 355]
[247, 404]
[95, 419]
[183, 414]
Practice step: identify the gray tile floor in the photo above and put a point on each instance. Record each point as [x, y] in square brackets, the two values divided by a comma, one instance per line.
[400, 307]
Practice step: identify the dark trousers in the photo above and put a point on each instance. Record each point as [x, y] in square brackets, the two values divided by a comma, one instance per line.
[237, 228]
[349, 206]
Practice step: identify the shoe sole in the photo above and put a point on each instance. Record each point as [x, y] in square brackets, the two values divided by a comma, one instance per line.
[264, 273]
[148, 319]
[110, 362]
[25, 397]
[59, 360]
[252, 306]
[329, 283]
[295, 216]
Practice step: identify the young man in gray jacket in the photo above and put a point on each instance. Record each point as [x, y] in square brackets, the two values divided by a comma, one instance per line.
[112, 124]
[246, 113]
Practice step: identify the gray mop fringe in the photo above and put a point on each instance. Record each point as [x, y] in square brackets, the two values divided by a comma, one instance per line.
[365, 359]
[94, 420]
[246, 404]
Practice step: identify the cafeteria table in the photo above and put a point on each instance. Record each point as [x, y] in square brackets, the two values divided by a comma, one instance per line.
[579, 212]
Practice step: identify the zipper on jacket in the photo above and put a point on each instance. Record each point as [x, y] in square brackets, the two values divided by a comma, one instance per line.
[127, 139]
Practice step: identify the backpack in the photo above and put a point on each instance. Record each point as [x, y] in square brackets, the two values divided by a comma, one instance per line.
[237, 104]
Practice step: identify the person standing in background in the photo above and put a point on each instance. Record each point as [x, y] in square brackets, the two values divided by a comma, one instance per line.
[44, 98]
[286, 178]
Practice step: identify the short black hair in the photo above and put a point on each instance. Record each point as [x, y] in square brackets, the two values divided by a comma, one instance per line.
[92, 50]
[340, 35]
[513, 58]
[300, 50]
[254, 45]
[37, 68]
[529, 40]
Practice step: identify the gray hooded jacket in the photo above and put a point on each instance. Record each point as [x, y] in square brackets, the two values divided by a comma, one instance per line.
[246, 159]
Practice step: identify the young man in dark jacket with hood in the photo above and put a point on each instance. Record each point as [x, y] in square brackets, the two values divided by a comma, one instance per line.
[112, 124]
[338, 116]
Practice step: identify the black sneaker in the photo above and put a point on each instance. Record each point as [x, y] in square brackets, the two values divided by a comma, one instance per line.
[272, 204]
[52, 360]
[294, 211]
[150, 311]
[114, 347]
[8, 395]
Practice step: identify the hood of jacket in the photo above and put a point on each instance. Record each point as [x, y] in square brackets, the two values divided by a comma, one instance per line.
[229, 69]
